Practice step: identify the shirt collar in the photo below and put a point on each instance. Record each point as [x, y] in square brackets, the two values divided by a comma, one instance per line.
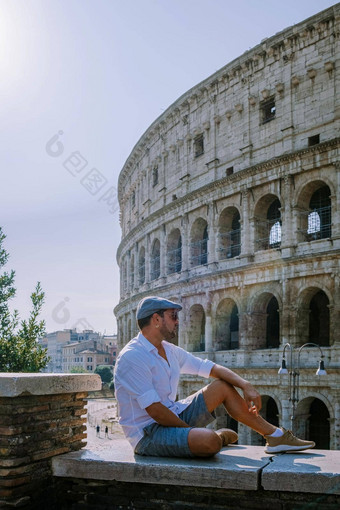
[145, 342]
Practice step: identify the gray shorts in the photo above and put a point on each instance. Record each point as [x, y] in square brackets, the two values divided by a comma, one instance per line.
[160, 441]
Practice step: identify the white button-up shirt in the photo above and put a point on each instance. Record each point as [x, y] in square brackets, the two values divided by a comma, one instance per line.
[143, 377]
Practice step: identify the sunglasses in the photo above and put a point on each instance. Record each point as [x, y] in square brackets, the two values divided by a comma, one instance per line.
[172, 315]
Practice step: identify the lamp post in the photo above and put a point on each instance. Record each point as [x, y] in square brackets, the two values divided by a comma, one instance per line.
[294, 374]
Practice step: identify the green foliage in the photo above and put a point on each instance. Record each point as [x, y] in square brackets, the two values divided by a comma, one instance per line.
[104, 372]
[78, 370]
[19, 349]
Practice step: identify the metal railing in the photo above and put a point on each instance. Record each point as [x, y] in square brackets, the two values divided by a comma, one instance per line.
[199, 252]
[229, 244]
[318, 224]
[269, 234]
[174, 261]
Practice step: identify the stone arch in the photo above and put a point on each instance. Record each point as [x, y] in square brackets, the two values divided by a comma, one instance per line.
[229, 233]
[270, 411]
[265, 320]
[174, 252]
[268, 224]
[155, 260]
[312, 420]
[314, 206]
[141, 265]
[227, 325]
[196, 329]
[199, 242]
[313, 317]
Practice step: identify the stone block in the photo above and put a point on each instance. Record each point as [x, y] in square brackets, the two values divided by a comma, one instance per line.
[236, 467]
[315, 472]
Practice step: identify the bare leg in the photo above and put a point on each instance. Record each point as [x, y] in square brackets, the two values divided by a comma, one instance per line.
[206, 442]
[220, 392]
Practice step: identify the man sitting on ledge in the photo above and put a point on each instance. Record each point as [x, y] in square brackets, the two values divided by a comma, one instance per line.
[146, 380]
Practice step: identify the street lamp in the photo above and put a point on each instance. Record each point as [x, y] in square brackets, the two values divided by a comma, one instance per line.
[294, 374]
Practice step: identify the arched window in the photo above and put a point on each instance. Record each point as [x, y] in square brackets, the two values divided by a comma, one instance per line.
[199, 243]
[196, 329]
[174, 252]
[273, 324]
[227, 326]
[319, 319]
[141, 266]
[155, 261]
[319, 219]
[274, 224]
[229, 234]
[319, 426]
[268, 224]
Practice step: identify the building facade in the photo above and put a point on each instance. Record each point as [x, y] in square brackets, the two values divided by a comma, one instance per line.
[230, 206]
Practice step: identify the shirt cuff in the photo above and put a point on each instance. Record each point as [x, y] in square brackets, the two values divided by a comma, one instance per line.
[205, 368]
[148, 398]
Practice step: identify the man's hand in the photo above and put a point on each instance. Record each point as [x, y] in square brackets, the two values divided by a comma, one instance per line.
[252, 398]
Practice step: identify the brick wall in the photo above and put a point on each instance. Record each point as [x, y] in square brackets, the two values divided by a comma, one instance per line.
[32, 430]
[74, 494]
[41, 416]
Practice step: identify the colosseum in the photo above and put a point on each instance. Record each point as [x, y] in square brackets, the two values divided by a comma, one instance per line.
[230, 205]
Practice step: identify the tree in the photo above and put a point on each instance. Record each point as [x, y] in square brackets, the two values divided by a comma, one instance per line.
[104, 372]
[78, 370]
[19, 348]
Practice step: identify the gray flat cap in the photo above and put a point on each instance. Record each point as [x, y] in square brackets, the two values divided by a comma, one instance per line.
[152, 304]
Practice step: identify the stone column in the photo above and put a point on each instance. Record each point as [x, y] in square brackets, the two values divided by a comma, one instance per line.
[286, 217]
[185, 244]
[208, 333]
[147, 259]
[163, 252]
[335, 426]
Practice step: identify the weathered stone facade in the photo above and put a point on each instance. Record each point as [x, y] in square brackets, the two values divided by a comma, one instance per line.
[230, 205]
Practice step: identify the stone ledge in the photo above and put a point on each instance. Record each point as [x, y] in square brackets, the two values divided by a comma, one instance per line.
[317, 471]
[15, 384]
[235, 467]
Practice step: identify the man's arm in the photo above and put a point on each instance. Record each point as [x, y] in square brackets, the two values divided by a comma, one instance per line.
[251, 396]
[162, 415]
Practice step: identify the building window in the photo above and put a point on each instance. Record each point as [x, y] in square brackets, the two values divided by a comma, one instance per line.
[155, 176]
[89, 360]
[141, 266]
[268, 110]
[199, 244]
[319, 322]
[89, 367]
[274, 223]
[319, 219]
[229, 171]
[313, 140]
[198, 145]
[273, 324]
[229, 234]
[155, 261]
[133, 199]
[174, 252]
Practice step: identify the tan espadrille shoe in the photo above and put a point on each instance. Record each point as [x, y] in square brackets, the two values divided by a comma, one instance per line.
[228, 436]
[286, 443]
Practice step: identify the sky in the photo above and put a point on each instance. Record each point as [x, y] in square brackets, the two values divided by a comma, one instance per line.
[81, 81]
